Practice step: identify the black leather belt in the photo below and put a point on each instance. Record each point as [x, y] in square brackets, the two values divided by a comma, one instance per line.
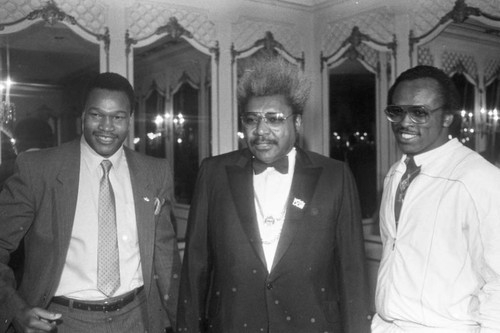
[112, 304]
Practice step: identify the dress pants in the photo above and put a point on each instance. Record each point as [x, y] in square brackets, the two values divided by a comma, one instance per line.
[132, 318]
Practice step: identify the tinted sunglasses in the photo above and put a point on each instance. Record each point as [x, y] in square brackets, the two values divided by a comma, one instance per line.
[272, 119]
[419, 114]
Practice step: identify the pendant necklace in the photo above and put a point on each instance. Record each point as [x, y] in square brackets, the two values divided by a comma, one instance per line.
[272, 230]
[270, 220]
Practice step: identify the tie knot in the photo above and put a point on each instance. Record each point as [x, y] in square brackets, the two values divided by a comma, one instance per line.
[106, 166]
[281, 165]
[410, 164]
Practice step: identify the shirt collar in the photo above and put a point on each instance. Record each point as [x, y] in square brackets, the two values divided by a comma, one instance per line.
[428, 157]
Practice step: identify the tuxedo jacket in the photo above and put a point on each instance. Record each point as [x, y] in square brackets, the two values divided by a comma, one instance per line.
[318, 280]
[38, 204]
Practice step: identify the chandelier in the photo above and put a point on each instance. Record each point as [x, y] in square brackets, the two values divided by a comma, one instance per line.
[7, 111]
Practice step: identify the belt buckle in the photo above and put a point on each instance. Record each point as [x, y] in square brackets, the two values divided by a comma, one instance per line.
[111, 307]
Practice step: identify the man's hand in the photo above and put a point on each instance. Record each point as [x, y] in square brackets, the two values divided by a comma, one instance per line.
[34, 320]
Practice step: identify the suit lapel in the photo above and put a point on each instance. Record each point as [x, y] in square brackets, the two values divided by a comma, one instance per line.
[304, 182]
[65, 198]
[240, 178]
[144, 215]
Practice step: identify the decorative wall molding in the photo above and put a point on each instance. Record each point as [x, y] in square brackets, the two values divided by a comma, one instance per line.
[378, 25]
[487, 6]
[459, 13]
[454, 62]
[247, 30]
[89, 15]
[491, 69]
[361, 47]
[269, 45]
[426, 14]
[425, 56]
[144, 19]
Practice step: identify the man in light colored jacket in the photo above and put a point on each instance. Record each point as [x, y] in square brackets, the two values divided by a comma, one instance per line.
[439, 219]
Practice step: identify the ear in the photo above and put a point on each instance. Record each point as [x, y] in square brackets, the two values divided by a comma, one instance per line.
[298, 122]
[447, 120]
[82, 117]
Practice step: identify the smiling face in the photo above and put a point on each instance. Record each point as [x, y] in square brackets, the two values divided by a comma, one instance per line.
[266, 144]
[414, 139]
[106, 120]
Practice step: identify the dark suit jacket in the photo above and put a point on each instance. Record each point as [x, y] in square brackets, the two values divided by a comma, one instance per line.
[39, 202]
[318, 281]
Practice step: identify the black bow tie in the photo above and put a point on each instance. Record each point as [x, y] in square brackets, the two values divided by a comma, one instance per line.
[281, 165]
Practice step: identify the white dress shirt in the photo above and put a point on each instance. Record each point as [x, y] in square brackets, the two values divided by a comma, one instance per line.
[79, 277]
[271, 190]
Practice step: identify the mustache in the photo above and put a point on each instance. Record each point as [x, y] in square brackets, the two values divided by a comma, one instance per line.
[257, 141]
[399, 128]
[101, 133]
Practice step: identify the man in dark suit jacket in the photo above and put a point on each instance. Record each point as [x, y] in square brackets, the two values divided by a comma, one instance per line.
[52, 202]
[274, 240]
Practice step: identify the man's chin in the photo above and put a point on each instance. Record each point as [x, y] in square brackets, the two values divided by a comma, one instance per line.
[264, 156]
[105, 151]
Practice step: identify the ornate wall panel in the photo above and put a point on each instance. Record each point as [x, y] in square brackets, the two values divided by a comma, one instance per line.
[487, 6]
[90, 14]
[491, 68]
[370, 56]
[453, 61]
[144, 18]
[426, 14]
[425, 56]
[378, 25]
[247, 30]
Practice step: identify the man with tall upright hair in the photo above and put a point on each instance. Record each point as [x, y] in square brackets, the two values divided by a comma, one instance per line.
[274, 240]
[439, 218]
[100, 249]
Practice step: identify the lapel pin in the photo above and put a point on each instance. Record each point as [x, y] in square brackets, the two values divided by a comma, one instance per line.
[298, 203]
[146, 199]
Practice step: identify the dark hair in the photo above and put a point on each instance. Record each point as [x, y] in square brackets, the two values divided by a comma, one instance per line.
[113, 82]
[273, 75]
[33, 133]
[447, 89]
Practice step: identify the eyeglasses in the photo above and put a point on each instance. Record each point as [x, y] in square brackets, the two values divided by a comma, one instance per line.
[273, 119]
[419, 114]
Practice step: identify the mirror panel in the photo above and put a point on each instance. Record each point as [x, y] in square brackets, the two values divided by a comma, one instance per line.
[491, 115]
[360, 67]
[352, 127]
[44, 69]
[172, 79]
[464, 128]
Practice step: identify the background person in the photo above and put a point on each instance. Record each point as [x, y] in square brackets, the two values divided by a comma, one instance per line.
[29, 134]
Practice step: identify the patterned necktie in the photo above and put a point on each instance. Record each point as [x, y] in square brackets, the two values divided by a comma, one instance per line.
[108, 266]
[411, 172]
